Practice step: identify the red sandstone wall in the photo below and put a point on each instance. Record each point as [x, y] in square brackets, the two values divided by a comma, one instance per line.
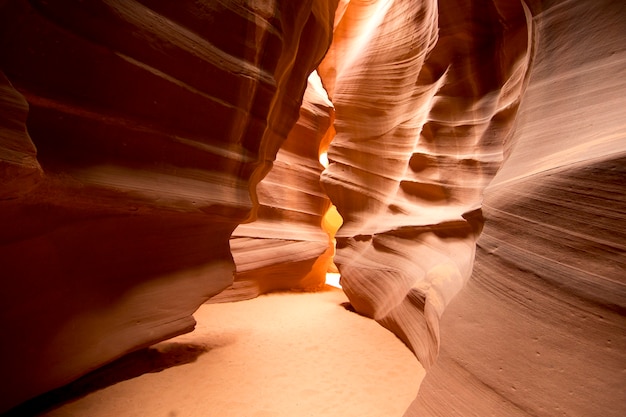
[132, 130]
[540, 329]
[426, 96]
[133, 136]
[286, 248]
[431, 100]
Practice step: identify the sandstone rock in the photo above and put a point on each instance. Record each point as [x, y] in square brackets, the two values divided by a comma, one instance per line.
[286, 248]
[130, 131]
[540, 329]
[423, 124]
[152, 129]
[19, 168]
[426, 96]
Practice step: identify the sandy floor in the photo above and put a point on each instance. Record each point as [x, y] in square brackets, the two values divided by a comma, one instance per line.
[287, 354]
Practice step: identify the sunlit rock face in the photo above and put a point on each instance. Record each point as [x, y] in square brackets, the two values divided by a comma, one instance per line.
[286, 247]
[133, 136]
[540, 329]
[426, 96]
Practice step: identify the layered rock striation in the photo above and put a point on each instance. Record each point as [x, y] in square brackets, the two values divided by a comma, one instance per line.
[540, 329]
[426, 96]
[134, 134]
[430, 103]
[286, 247]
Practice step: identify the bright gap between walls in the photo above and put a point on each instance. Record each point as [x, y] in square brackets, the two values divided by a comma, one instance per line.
[332, 220]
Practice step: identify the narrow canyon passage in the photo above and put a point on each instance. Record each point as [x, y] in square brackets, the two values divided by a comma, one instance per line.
[461, 163]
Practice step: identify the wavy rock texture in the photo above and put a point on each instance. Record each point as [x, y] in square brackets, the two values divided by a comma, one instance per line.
[286, 248]
[152, 129]
[540, 330]
[133, 129]
[19, 168]
[426, 95]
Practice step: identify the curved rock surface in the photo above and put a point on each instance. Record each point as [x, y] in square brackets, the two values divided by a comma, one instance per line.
[426, 95]
[19, 169]
[286, 248]
[428, 108]
[135, 135]
[151, 131]
[540, 330]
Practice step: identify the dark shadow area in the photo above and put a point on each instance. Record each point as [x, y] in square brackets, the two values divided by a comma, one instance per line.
[348, 307]
[148, 360]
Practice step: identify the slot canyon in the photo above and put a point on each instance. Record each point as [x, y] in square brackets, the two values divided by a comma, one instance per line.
[178, 178]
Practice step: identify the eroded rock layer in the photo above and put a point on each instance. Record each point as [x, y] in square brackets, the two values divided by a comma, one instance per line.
[426, 95]
[134, 135]
[151, 128]
[540, 330]
[19, 168]
[286, 248]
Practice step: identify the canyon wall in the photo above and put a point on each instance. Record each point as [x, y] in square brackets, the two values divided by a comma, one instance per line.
[145, 144]
[134, 134]
[286, 247]
[540, 329]
[431, 102]
[426, 96]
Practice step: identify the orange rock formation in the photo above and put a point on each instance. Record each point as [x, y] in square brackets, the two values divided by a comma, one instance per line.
[286, 248]
[151, 131]
[426, 97]
[146, 144]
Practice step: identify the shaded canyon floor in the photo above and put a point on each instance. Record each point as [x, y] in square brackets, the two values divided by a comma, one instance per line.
[282, 354]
